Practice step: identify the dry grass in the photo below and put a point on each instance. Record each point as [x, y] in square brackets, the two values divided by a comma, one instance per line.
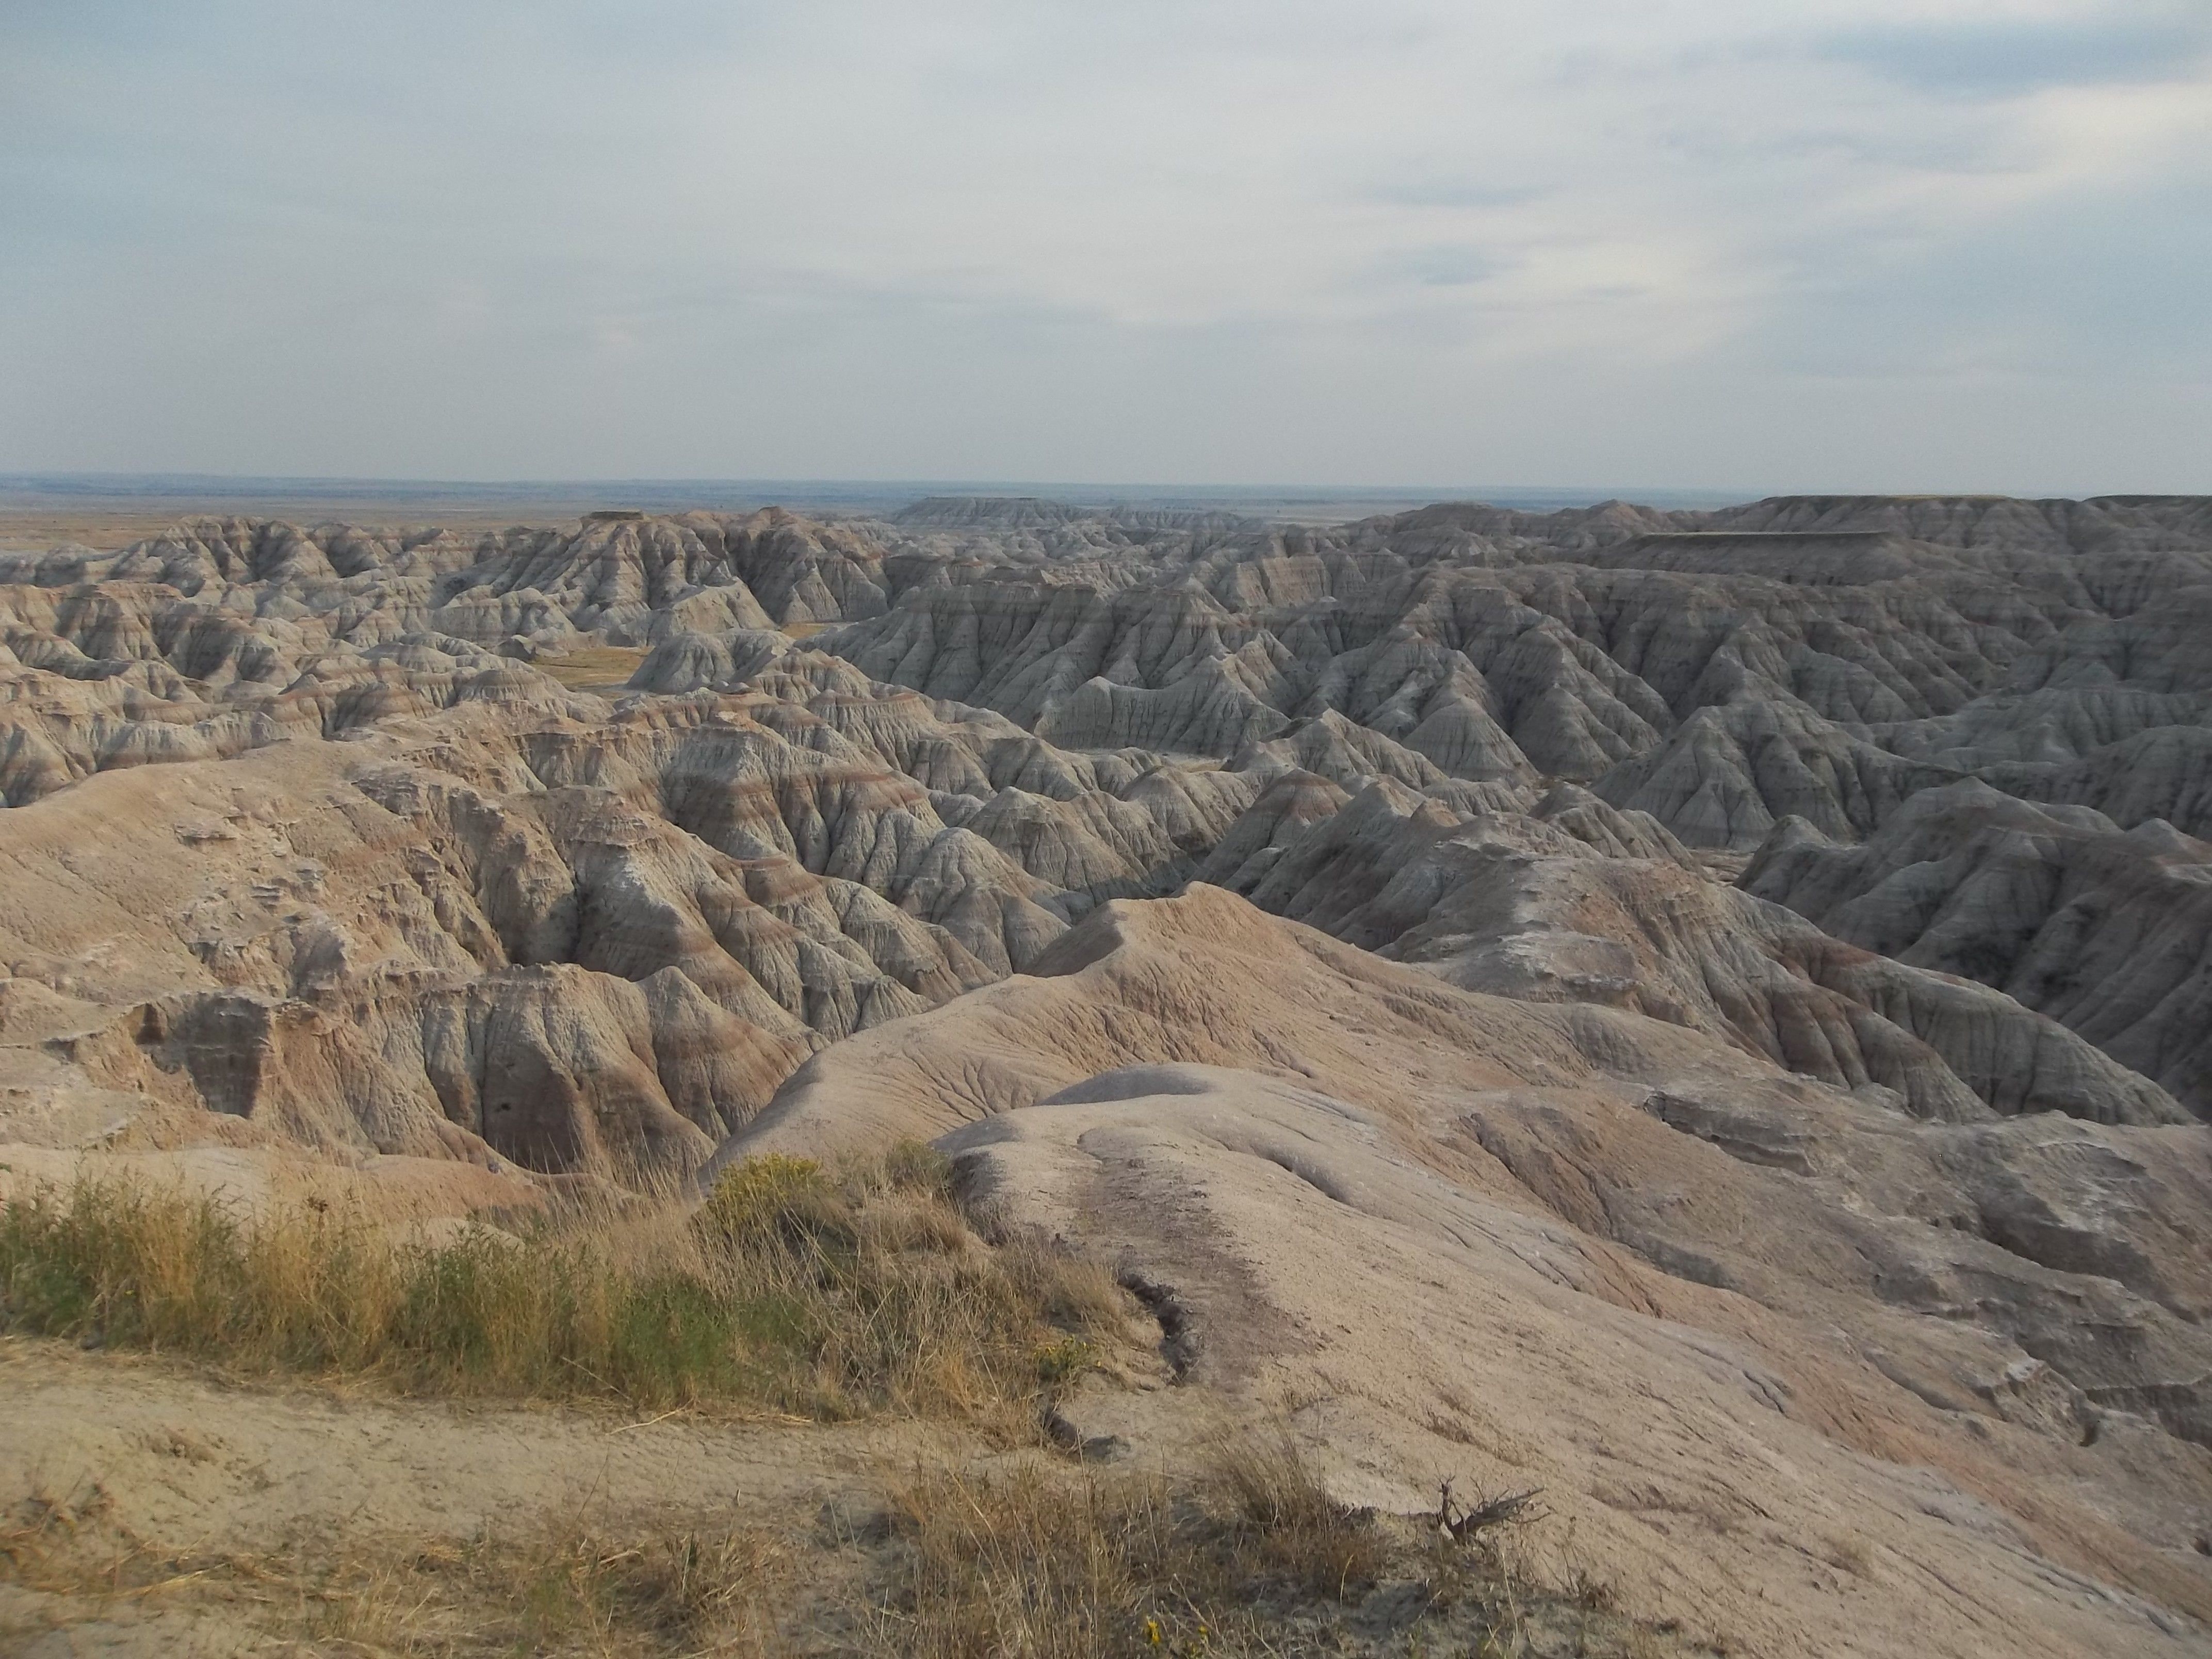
[597, 668]
[1023, 1562]
[654, 1586]
[1285, 1523]
[1252, 1557]
[794, 1288]
[1020, 1559]
[645, 1590]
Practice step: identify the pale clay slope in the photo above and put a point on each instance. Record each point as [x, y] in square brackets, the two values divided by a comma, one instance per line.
[1568, 1248]
[1454, 652]
[564, 940]
[1830, 1243]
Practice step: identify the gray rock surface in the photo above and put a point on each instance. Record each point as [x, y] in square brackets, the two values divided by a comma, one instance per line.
[1736, 985]
[859, 768]
[2107, 931]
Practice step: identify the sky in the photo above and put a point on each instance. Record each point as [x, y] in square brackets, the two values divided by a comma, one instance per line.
[1771, 245]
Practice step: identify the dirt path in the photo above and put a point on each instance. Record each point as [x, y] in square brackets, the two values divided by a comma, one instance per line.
[193, 1468]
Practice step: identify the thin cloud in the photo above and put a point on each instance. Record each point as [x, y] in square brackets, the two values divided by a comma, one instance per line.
[2007, 58]
[1209, 240]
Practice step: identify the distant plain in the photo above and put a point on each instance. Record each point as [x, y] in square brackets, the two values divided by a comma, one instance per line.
[109, 511]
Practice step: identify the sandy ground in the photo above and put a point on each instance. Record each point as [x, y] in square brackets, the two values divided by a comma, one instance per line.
[190, 1468]
[605, 668]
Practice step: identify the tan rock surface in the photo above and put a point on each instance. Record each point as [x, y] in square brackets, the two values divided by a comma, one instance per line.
[1456, 1235]
[1703, 1012]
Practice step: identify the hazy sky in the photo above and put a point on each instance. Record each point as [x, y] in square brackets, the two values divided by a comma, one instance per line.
[1765, 244]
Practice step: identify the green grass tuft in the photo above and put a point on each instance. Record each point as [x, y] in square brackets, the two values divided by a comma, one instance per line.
[792, 1287]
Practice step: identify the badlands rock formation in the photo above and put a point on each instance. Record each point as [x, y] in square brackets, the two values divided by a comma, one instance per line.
[1776, 1350]
[1708, 1013]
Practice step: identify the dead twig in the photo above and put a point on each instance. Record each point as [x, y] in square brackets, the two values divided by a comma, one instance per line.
[1465, 1522]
